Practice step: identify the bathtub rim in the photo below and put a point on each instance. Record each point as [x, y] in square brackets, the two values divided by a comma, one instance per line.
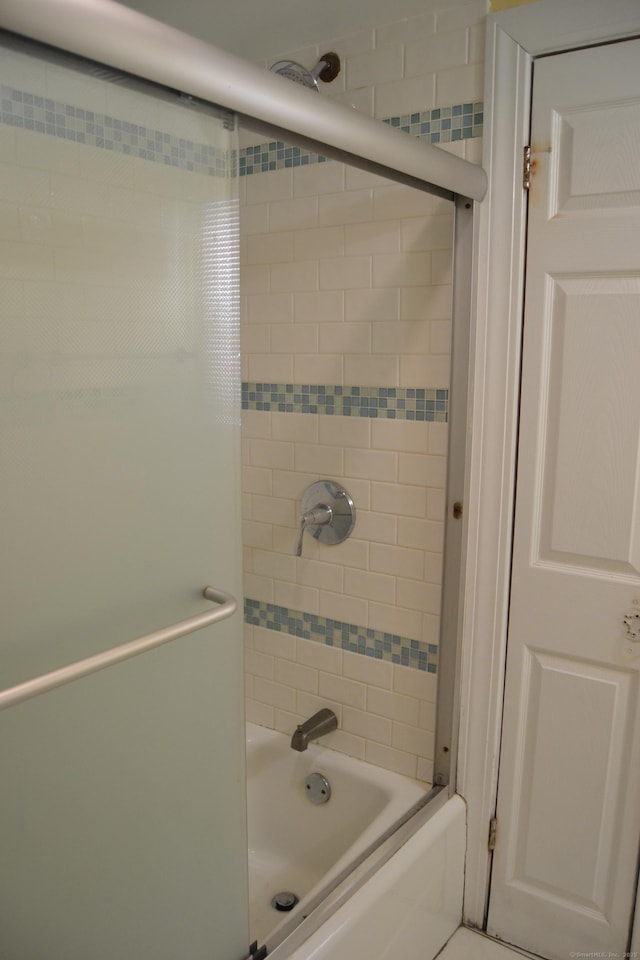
[290, 936]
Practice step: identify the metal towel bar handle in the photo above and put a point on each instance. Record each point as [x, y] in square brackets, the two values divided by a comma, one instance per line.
[227, 605]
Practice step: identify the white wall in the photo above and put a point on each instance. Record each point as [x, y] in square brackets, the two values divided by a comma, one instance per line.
[255, 29]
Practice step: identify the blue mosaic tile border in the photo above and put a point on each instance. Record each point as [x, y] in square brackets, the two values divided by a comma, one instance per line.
[343, 636]
[385, 403]
[274, 155]
[28, 111]
[439, 125]
[443, 124]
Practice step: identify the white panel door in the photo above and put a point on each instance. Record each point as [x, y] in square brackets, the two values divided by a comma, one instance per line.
[568, 816]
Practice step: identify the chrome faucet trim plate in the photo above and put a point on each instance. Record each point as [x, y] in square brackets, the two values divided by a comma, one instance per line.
[328, 513]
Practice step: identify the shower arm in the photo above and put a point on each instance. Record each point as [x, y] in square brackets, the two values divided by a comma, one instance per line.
[319, 68]
[327, 68]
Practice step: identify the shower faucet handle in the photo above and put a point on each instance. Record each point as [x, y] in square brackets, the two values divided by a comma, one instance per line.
[317, 516]
[328, 513]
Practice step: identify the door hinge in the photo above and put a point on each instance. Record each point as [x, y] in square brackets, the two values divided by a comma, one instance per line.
[526, 168]
[493, 829]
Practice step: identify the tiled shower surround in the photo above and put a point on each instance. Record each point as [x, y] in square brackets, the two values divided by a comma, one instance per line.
[346, 282]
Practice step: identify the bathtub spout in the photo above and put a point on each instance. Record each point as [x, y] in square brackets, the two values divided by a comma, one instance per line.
[321, 723]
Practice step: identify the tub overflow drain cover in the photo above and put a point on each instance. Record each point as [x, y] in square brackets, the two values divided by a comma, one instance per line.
[284, 900]
[318, 788]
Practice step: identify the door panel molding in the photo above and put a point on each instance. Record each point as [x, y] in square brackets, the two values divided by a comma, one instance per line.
[568, 795]
[589, 397]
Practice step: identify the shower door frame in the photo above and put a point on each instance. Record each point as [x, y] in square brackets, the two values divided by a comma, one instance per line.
[60, 23]
[514, 38]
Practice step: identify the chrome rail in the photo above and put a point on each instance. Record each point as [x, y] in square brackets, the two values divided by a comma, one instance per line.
[227, 605]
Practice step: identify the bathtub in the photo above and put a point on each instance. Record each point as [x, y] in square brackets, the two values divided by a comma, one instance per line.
[310, 850]
[408, 907]
[305, 848]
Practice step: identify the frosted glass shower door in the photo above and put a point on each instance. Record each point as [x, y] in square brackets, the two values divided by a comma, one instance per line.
[122, 811]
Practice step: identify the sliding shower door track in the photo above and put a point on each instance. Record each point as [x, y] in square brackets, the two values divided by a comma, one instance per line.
[355, 875]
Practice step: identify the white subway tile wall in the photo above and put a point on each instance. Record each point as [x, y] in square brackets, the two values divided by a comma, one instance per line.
[404, 66]
[386, 713]
[346, 282]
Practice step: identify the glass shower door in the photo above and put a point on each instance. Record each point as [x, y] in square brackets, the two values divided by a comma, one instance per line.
[122, 810]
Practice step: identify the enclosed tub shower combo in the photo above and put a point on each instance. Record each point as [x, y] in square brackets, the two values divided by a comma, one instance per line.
[309, 816]
[122, 729]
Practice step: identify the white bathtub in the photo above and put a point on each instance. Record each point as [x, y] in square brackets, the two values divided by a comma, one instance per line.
[409, 907]
[297, 846]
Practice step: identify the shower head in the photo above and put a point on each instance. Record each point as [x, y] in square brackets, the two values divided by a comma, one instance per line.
[326, 69]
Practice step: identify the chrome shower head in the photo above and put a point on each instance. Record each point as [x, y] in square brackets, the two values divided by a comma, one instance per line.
[326, 69]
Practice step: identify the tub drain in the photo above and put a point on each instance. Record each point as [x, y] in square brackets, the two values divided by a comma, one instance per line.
[284, 901]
